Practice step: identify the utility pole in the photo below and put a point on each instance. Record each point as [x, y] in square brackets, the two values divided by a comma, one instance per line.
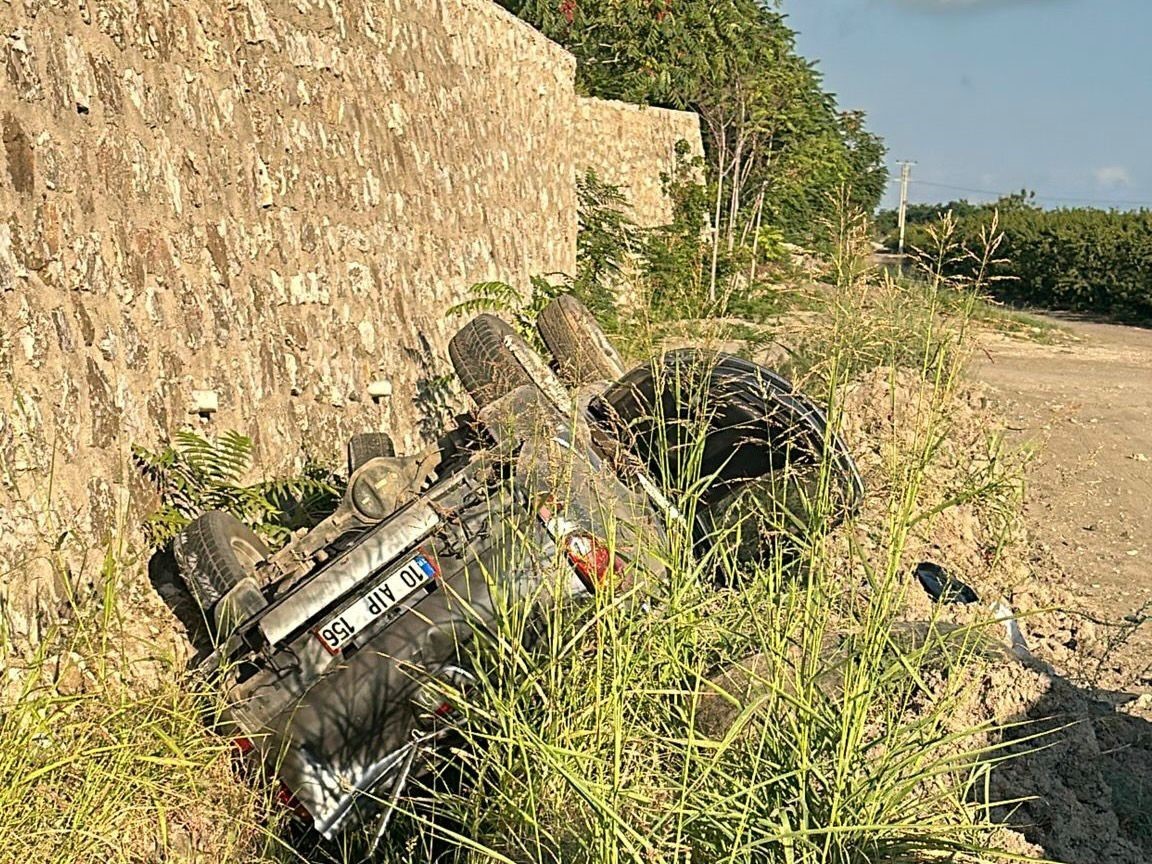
[905, 176]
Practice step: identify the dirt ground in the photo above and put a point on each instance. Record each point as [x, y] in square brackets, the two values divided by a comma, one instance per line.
[1075, 714]
[1084, 403]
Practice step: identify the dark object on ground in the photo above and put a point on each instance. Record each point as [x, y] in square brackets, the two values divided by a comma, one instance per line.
[342, 657]
[942, 587]
[744, 435]
[583, 353]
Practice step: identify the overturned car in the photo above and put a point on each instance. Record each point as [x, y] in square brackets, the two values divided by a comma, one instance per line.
[340, 656]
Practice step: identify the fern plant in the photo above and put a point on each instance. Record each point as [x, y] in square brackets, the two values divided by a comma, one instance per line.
[194, 473]
[520, 309]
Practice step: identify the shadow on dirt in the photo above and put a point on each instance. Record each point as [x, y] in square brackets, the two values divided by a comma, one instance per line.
[1088, 781]
[1123, 320]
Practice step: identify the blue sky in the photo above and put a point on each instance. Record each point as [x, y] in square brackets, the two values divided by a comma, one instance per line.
[996, 95]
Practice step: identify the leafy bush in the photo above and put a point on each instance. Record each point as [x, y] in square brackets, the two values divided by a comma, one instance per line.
[677, 256]
[1080, 260]
[194, 474]
[607, 243]
[672, 271]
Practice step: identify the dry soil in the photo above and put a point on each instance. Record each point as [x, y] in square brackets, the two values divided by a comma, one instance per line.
[1084, 403]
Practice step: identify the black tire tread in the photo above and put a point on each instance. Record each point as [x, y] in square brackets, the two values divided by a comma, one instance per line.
[582, 351]
[207, 562]
[367, 446]
[485, 366]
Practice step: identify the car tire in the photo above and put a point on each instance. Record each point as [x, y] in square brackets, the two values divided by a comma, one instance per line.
[658, 411]
[582, 351]
[215, 553]
[692, 414]
[486, 365]
[367, 446]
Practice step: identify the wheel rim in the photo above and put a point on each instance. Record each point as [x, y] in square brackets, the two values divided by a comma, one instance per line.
[246, 554]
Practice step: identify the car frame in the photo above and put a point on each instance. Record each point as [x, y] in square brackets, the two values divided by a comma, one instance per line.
[341, 657]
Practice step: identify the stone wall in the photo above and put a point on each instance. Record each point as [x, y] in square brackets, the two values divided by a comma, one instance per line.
[277, 203]
[630, 146]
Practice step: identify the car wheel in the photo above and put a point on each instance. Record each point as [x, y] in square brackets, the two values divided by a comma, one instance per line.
[492, 360]
[583, 353]
[691, 415]
[367, 446]
[215, 553]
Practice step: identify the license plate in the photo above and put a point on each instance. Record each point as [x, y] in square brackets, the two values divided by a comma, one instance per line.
[335, 633]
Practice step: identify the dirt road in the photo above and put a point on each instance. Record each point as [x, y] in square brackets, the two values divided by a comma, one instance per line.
[1087, 405]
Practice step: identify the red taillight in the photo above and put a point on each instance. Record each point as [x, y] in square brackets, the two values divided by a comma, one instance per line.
[287, 800]
[593, 560]
[243, 745]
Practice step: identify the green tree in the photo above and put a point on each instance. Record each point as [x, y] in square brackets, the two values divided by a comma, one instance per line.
[778, 147]
[1082, 259]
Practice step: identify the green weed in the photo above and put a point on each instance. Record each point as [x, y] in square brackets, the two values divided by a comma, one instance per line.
[194, 474]
[100, 765]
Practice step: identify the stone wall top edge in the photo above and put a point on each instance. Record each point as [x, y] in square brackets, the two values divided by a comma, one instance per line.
[596, 103]
[489, 7]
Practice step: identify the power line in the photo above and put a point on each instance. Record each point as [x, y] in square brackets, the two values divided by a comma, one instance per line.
[999, 193]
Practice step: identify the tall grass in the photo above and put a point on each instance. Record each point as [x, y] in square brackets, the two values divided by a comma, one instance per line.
[96, 768]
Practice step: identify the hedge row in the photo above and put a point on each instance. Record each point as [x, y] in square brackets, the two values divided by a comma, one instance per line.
[1081, 260]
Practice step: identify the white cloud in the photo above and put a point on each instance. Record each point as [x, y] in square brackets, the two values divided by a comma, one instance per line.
[1111, 176]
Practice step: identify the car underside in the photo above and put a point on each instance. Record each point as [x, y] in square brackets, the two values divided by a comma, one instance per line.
[340, 658]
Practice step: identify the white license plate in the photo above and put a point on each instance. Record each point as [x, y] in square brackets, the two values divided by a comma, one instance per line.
[335, 633]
